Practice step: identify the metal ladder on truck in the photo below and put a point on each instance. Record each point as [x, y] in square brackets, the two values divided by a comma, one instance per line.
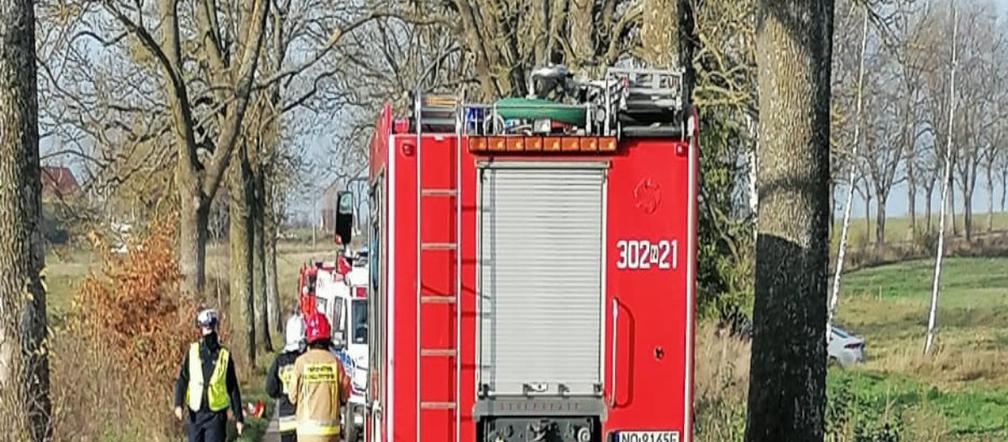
[438, 112]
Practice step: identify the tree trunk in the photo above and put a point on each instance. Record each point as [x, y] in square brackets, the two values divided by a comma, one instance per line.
[1004, 187]
[867, 218]
[273, 306]
[880, 220]
[968, 213]
[990, 198]
[948, 185]
[24, 364]
[787, 386]
[911, 200]
[952, 207]
[928, 193]
[193, 221]
[832, 207]
[240, 238]
[259, 267]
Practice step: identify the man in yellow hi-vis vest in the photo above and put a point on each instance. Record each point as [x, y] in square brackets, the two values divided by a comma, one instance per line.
[207, 385]
[319, 385]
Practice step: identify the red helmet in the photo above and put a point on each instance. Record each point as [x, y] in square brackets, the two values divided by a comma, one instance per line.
[317, 328]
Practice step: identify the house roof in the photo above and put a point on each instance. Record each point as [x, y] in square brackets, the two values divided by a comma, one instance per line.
[58, 181]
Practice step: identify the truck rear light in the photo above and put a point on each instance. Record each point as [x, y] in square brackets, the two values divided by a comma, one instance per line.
[515, 144]
[533, 144]
[584, 144]
[496, 144]
[360, 292]
[477, 144]
[853, 345]
[551, 144]
[569, 144]
[607, 144]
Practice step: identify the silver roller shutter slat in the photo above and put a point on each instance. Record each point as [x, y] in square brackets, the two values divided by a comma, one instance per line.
[541, 263]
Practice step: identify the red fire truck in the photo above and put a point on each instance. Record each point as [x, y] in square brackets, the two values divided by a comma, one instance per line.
[533, 264]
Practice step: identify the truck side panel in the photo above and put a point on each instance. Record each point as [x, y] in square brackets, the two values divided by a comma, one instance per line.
[648, 291]
[437, 387]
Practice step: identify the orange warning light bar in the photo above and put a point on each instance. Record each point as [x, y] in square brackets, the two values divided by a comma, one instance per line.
[545, 145]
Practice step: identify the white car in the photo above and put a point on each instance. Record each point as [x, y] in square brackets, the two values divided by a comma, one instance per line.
[844, 348]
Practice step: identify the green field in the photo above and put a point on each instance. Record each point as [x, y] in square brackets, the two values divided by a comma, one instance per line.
[962, 389]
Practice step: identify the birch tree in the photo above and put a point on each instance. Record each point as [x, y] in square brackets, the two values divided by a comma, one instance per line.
[852, 175]
[946, 183]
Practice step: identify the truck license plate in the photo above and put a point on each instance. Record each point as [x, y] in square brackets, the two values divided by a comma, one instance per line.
[647, 436]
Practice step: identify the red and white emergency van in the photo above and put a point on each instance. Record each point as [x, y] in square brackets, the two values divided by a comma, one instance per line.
[533, 265]
[338, 290]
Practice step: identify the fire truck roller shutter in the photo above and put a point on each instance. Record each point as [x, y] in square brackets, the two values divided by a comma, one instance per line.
[541, 278]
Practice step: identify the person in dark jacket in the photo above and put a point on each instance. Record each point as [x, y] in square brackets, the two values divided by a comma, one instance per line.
[207, 385]
[278, 377]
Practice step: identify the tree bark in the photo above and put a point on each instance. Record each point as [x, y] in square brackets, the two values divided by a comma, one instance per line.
[787, 387]
[947, 186]
[24, 364]
[928, 193]
[880, 221]
[193, 224]
[867, 217]
[990, 198]
[240, 238]
[273, 306]
[259, 262]
[952, 207]
[911, 199]
[1004, 187]
[968, 213]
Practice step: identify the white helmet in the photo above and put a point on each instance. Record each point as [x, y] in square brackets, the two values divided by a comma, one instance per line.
[294, 333]
[207, 318]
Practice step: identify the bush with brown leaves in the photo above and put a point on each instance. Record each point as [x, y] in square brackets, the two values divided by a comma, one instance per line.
[116, 362]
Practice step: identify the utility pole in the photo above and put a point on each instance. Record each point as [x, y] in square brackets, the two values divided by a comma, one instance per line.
[841, 252]
[945, 188]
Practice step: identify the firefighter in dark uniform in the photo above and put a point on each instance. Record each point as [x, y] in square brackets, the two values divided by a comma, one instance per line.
[207, 385]
[279, 376]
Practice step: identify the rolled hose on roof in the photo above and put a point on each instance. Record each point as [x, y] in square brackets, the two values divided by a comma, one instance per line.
[537, 109]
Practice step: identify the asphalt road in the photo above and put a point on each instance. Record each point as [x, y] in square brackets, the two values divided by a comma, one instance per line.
[272, 435]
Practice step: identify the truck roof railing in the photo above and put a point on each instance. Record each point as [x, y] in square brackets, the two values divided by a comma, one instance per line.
[626, 103]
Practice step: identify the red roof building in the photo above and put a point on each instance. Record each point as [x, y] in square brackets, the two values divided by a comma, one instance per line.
[58, 182]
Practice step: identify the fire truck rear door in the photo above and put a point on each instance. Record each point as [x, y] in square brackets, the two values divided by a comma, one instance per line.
[540, 276]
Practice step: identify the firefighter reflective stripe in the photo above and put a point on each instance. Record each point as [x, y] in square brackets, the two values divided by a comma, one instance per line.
[285, 374]
[320, 373]
[217, 397]
[318, 428]
[287, 424]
